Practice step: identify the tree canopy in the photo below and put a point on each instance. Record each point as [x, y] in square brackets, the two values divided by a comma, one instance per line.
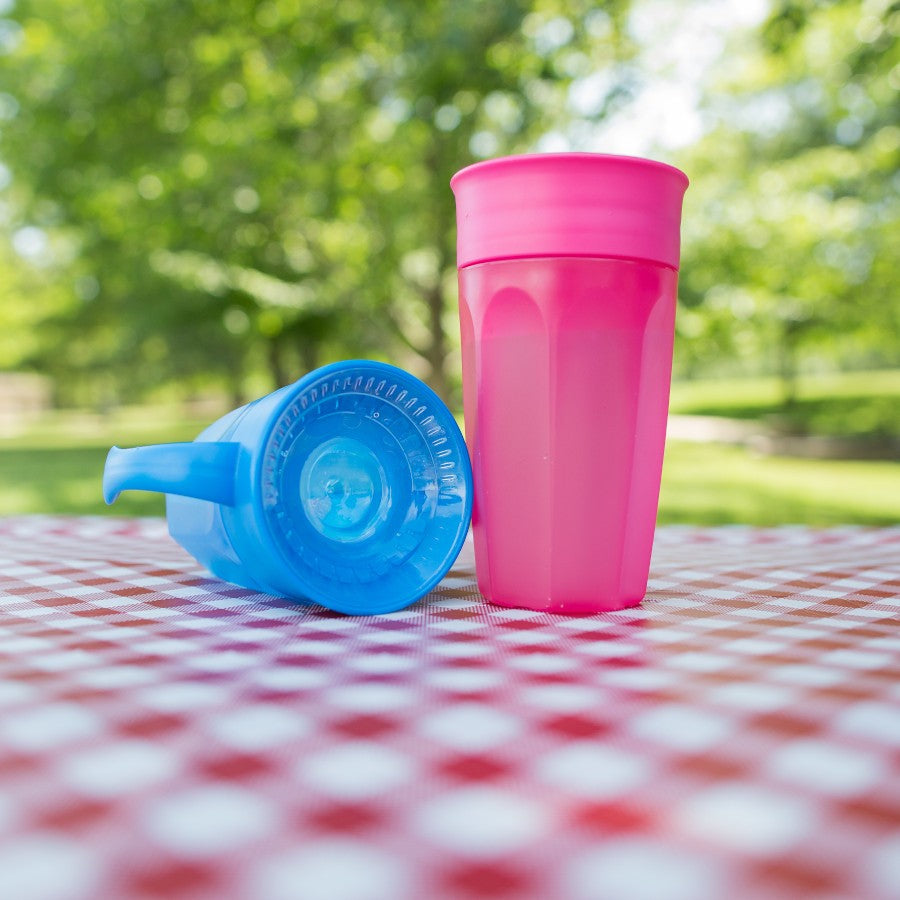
[232, 192]
[231, 186]
[792, 219]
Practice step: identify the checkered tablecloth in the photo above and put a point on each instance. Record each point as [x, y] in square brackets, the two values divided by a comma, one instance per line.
[166, 735]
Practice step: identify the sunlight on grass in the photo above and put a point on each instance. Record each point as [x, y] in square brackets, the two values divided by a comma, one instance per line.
[688, 396]
[858, 404]
[56, 464]
[707, 483]
[127, 427]
[64, 480]
[56, 467]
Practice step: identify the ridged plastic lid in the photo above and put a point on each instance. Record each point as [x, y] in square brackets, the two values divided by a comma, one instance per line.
[568, 204]
[366, 487]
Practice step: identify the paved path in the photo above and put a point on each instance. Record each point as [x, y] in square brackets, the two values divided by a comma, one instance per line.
[713, 428]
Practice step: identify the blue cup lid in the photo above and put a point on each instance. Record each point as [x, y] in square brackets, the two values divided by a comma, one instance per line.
[366, 487]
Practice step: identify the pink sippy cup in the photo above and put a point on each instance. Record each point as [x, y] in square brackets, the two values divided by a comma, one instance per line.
[568, 267]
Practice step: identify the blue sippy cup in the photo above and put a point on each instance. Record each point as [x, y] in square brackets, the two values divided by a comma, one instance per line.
[350, 488]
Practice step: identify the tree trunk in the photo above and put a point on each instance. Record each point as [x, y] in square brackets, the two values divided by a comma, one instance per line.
[309, 354]
[787, 363]
[236, 388]
[275, 354]
[437, 344]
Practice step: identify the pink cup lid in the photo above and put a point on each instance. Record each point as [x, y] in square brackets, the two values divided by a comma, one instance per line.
[568, 204]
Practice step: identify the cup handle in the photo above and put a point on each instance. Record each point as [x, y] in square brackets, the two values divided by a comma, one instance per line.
[204, 470]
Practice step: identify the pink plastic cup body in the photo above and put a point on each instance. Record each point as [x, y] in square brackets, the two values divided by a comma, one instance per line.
[567, 362]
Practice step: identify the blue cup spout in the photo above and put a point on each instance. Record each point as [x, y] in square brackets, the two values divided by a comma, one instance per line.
[202, 470]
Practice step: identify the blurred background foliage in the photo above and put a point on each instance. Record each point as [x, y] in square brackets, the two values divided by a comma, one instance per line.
[201, 200]
[226, 189]
[792, 228]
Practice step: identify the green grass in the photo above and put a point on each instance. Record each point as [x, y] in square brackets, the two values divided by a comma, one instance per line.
[56, 467]
[856, 404]
[64, 480]
[702, 483]
[127, 427]
[708, 483]
[712, 484]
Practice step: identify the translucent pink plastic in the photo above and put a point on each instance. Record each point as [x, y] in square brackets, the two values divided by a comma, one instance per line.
[568, 204]
[567, 363]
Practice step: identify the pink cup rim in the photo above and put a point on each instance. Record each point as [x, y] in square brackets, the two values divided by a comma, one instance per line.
[506, 161]
[568, 204]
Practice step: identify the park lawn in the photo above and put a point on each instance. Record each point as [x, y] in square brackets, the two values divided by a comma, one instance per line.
[852, 404]
[56, 465]
[702, 484]
[714, 484]
[64, 480]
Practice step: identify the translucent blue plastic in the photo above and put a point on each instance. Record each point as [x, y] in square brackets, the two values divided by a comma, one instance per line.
[351, 489]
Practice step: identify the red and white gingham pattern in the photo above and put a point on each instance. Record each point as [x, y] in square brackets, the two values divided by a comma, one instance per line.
[166, 735]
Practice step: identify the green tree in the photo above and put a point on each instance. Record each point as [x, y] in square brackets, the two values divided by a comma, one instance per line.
[792, 220]
[245, 186]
